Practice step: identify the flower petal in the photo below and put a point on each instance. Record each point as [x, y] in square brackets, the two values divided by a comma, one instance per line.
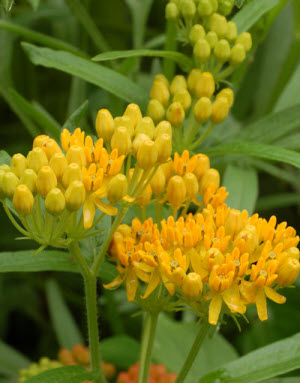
[88, 212]
[215, 309]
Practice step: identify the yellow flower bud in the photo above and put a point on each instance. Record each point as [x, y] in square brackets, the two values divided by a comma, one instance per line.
[172, 11]
[125, 121]
[238, 55]
[178, 83]
[246, 40]
[51, 147]
[175, 114]
[217, 23]
[40, 140]
[155, 110]
[203, 109]
[163, 144]
[138, 141]
[164, 127]
[203, 164]
[5, 168]
[184, 98]
[211, 176]
[147, 155]
[23, 200]
[158, 182]
[125, 230]
[176, 191]
[146, 126]
[249, 235]
[117, 188]
[231, 33]
[2, 172]
[205, 8]
[193, 78]
[222, 51]
[197, 32]
[58, 164]
[72, 173]
[105, 125]
[121, 140]
[215, 5]
[76, 155]
[168, 169]
[220, 109]
[187, 8]
[55, 202]
[293, 252]
[202, 51]
[18, 164]
[205, 86]
[233, 222]
[9, 183]
[212, 39]
[288, 272]
[160, 92]
[134, 113]
[163, 78]
[75, 195]
[225, 6]
[192, 286]
[28, 178]
[228, 94]
[46, 180]
[36, 159]
[191, 185]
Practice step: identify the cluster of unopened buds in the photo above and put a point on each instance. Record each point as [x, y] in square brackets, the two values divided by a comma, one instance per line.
[158, 374]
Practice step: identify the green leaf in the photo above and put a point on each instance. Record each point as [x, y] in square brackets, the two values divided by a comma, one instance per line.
[290, 142]
[100, 76]
[67, 332]
[70, 374]
[283, 380]
[239, 3]
[34, 3]
[173, 341]
[121, 350]
[269, 152]
[7, 5]
[277, 201]
[11, 361]
[267, 362]
[4, 158]
[275, 171]
[252, 12]
[74, 120]
[242, 185]
[290, 95]
[182, 60]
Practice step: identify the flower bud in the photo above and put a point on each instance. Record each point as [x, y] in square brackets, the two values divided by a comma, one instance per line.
[233, 222]
[18, 164]
[163, 144]
[215, 5]
[164, 127]
[192, 286]
[288, 272]
[249, 235]
[117, 188]
[205, 86]
[9, 183]
[28, 178]
[228, 94]
[46, 180]
[40, 140]
[205, 8]
[176, 191]
[220, 109]
[51, 147]
[121, 141]
[178, 83]
[202, 51]
[23, 200]
[212, 39]
[245, 39]
[211, 176]
[2, 172]
[193, 78]
[197, 32]
[58, 164]
[237, 55]
[55, 202]
[125, 121]
[168, 169]
[203, 109]
[75, 195]
[187, 8]
[134, 113]
[36, 159]
[105, 125]
[146, 126]
[293, 252]
[158, 182]
[72, 173]
[5, 168]
[222, 51]
[76, 155]
[147, 155]
[191, 185]
[203, 164]
[175, 114]
[163, 78]
[155, 110]
[231, 33]
[184, 98]
[225, 7]
[160, 92]
[172, 11]
[217, 23]
[138, 141]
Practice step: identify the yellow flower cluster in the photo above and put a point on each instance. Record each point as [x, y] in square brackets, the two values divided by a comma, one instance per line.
[218, 261]
[34, 369]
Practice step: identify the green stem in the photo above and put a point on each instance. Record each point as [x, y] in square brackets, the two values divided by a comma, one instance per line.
[147, 346]
[14, 222]
[204, 328]
[202, 138]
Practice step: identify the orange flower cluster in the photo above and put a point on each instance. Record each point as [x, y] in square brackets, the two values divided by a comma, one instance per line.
[158, 374]
[217, 261]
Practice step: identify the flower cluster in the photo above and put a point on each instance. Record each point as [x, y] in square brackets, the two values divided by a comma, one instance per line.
[44, 364]
[158, 374]
[218, 256]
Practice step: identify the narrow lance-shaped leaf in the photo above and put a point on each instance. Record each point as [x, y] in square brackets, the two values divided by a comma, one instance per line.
[11, 361]
[70, 374]
[75, 118]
